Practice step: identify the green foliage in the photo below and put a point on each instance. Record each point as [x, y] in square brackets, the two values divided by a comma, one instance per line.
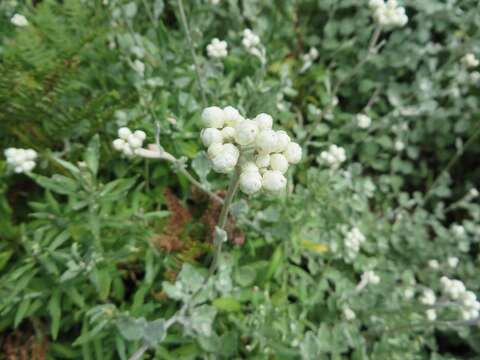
[97, 260]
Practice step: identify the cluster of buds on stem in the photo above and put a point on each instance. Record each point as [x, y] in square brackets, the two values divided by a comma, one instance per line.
[21, 160]
[388, 14]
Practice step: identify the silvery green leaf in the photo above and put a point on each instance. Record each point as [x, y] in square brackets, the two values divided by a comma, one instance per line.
[155, 332]
[201, 320]
[202, 166]
[130, 328]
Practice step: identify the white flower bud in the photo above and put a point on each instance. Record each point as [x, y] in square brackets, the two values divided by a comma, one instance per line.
[119, 144]
[274, 181]
[228, 133]
[30, 154]
[266, 141]
[213, 117]
[282, 141]
[246, 132]
[28, 165]
[19, 20]
[214, 150]
[293, 153]
[250, 182]
[264, 121]
[431, 314]
[363, 121]
[134, 142]
[124, 133]
[19, 156]
[452, 262]
[10, 152]
[250, 167]
[128, 151]
[349, 314]
[262, 160]
[211, 136]
[225, 161]
[139, 134]
[232, 116]
[279, 162]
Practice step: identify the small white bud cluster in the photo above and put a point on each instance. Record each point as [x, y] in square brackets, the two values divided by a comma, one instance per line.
[217, 49]
[251, 42]
[349, 314]
[353, 240]
[225, 131]
[311, 56]
[433, 264]
[363, 121]
[428, 297]
[470, 61]
[466, 299]
[129, 141]
[368, 277]
[21, 160]
[334, 156]
[19, 20]
[388, 14]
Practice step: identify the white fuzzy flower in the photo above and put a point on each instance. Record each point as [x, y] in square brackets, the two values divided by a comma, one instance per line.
[217, 49]
[428, 297]
[228, 133]
[266, 141]
[251, 42]
[353, 239]
[274, 181]
[388, 14]
[139, 67]
[214, 150]
[124, 133]
[213, 117]
[232, 116]
[262, 160]
[433, 264]
[452, 287]
[349, 314]
[293, 153]
[311, 56]
[369, 277]
[363, 121]
[19, 20]
[452, 262]
[399, 145]
[227, 159]
[246, 132]
[279, 162]
[21, 160]
[470, 61]
[473, 193]
[264, 121]
[211, 136]
[282, 141]
[250, 180]
[458, 230]
[431, 314]
[409, 293]
[334, 156]
[128, 142]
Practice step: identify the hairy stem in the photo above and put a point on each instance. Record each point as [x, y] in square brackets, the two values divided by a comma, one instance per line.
[191, 45]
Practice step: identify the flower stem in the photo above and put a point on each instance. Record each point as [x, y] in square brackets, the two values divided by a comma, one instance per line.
[191, 45]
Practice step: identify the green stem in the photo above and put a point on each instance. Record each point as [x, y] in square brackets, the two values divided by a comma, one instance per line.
[191, 45]
[222, 220]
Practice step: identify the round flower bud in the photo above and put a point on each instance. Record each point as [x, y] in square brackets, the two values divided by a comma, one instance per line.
[250, 167]
[18, 169]
[245, 132]
[124, 133]
[264, 121]
[28, 165]
[232, 149]
[262, 160]
[128, 151]
[232, 116]
[293, 153]
[279, 162]
[228, 133]
[134, 142]
[31, 154]
[250, 182]
[225, 161]
[214, 150]
[266, 141]
[282, 141]
[211, 136]
[20, 156]
[139, 134]
[274, 181]
[10, 152]
[213, 117]
[119, 144]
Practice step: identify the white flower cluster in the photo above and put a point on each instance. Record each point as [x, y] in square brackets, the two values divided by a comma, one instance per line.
[353, 240]
[334, 156]
[363, 121]
[129, 141]
[251, 42]
[388, 14]
[226, 132]
[467, 300]
[19, 20]
[368, 277]
[311, 56]
[21, 160]
[349, 314]
[217, 49]
[470, 61]
[428, 297]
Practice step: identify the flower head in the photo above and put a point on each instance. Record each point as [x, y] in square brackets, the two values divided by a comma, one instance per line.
[19, 20]
[21, 160]
[217, 49]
